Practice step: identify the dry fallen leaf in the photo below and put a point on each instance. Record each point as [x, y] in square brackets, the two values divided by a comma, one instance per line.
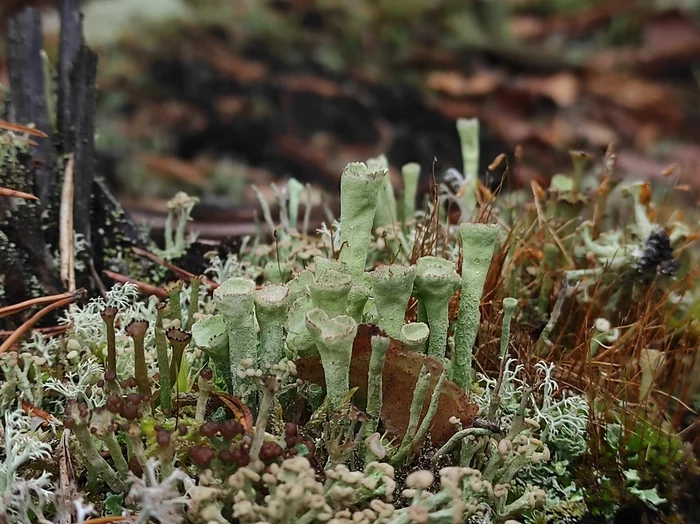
[401, 371]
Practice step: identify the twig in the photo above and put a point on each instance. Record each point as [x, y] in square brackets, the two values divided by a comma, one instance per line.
[143, 286]
[24, 328]
[7, 192]
[66, 475]
[454, 439]
[21, 306]
[65, 229]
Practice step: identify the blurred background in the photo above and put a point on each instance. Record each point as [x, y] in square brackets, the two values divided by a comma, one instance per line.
[209, 96]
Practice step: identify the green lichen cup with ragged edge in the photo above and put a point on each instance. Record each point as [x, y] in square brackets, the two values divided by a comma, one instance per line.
[436, 282]
[211, 336]
[392, 286]
[271, 304]
[333, 338]
[235, 300]
[359, 191]
[329, 292]
[478, 243]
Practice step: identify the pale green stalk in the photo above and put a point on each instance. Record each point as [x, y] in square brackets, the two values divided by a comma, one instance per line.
[436, 282]
[334, 338]
[380, 345]
[478, 243]
[414, 415]
[359, 191]
[271, 310]
[468, 129]
[235, 299]
[166, 385]
[330, 290]
[411, 175]
[392, 286]
[193, 306]
[94, 462]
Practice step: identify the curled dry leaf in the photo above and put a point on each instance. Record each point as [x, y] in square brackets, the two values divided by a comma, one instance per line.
[239, 410]
[401, 371]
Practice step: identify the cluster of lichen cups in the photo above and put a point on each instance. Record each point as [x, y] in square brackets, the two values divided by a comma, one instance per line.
[251, 341]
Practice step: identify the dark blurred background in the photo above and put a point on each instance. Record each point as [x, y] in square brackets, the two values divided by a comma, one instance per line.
[209, 96]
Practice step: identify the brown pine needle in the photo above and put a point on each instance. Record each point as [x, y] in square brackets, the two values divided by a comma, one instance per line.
[16, 308]
[17, 128]
[49, 331]
[106, 520]
[24, 328]
[7, 192]
[143, 286]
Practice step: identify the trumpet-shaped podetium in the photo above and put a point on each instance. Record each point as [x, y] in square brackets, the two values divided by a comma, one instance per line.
[411, 174]
[211, 336]
[236, 303]
[478, 243]
[359, 191]
[333, 338]
[299, 341]
[330, 290]
[386, 208]
[468, 130]
[415, 335]
[357, 299]
[271, 310]
[436, 282]
[392, 286]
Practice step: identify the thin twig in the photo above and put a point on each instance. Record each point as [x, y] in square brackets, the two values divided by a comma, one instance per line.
[107, 520]
[21, 306]
[24, 328]
[65, 231]
[66, 474]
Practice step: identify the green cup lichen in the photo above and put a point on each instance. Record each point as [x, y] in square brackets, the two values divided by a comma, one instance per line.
[359, 191]
[211, 336]
[436, 282]
[333, 338]
[271, 303]
[478, 243]
[392, 286]
[235, 300]
[330, 290]
[415, 335]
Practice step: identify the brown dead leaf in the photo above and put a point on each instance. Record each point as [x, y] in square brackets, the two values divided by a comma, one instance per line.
[455, 84]
[32, 411]
[634, 93]
[310, 84]
[562, 88]
[174, 167]
[401, 371]
[238, 409]
[230, 106]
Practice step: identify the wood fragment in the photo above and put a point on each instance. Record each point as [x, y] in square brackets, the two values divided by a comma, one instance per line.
[65, 229]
